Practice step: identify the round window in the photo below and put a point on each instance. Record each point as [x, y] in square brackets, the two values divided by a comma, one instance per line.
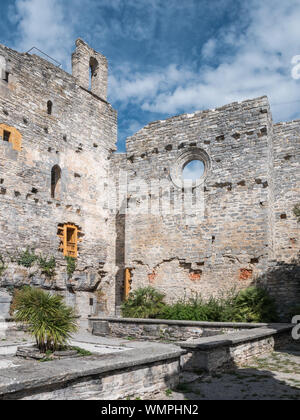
[193, 170]
[193, 164]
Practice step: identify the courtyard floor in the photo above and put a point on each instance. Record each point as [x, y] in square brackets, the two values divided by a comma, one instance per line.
[273, 377]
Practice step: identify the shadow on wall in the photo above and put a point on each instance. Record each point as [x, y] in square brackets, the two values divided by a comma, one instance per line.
[282, 281]
[120, 258]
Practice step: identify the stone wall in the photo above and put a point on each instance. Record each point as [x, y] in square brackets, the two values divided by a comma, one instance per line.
[138, 370]
[251, 179]
[283, 277]
[163, 330]
[224, 352]
[232, 229]
[229, 246]
[79, 136]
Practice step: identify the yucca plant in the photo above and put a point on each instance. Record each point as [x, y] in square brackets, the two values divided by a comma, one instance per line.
[48, 318]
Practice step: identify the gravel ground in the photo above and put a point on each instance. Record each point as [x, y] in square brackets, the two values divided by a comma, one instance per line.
[273, 377]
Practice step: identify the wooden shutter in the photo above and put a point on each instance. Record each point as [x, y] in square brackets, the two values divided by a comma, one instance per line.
[127, 285]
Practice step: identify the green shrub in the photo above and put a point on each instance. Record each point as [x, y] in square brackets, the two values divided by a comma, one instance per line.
[143, 303]
[47, 266]
[81, 352]
[296, 211]
[2, 265]
[254, 305]
[250, 305]
[49, 320]
[27, 258]
[193, 309]
[71, 265]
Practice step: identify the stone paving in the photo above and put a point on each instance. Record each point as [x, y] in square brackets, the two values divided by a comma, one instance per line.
[273, 377]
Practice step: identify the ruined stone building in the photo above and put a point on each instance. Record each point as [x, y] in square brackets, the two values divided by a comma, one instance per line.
[65, 192]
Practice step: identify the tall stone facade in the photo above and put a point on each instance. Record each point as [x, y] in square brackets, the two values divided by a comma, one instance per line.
[243, 233]
[64, 126]
[135, 224]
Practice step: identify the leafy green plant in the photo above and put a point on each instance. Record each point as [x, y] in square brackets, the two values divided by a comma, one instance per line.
[249, 305]
[27, 258]
[71, 265]
[296, 211]
[81, 351]
[143, 303]
[254, 305]
[48, 318]
[47, 266]
[2, 265]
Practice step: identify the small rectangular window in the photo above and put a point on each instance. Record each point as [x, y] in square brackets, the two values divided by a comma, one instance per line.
[6, 76]
[69, 237]
[6, 135]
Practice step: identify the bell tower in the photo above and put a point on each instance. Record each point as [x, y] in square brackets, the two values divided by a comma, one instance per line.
[90, 69]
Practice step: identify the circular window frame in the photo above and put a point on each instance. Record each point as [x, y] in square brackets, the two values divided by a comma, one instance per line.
[184, 159]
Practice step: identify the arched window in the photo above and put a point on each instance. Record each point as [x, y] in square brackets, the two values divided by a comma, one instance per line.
[49, 107]
[55, 182]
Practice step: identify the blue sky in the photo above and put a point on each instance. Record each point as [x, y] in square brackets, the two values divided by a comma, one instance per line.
[171, 57]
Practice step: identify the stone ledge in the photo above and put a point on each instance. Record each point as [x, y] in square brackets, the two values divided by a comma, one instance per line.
[236, 338]
[181, 323]
[59, 373]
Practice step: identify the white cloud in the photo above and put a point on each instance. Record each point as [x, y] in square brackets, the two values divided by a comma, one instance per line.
[45, 25]
[209, 48]
[255, 62]
[193, 171]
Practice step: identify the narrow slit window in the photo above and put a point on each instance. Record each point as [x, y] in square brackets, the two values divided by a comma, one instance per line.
[6, 76]
[127, 282]
[49, 107]
[6, 135]
[55, 182]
